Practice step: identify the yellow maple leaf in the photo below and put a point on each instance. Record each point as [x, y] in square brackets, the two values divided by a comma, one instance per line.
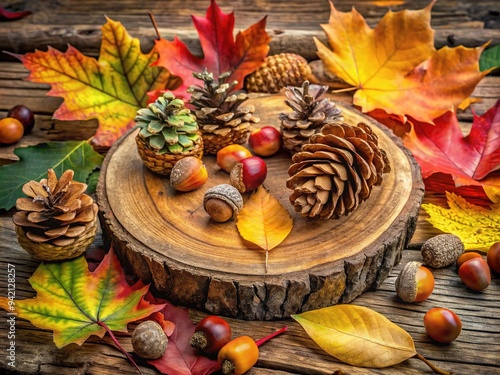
[264, 221]
[395, 66]
[476, 226]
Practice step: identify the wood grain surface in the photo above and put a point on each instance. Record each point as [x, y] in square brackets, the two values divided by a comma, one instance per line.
[167, 238]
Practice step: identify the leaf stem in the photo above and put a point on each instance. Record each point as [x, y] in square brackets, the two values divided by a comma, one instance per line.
[434, 368]
[269, 337]
[344, 90]
[118, 345]
[153, 21]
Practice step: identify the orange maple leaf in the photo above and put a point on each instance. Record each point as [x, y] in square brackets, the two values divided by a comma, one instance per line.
[110, 89]
[395, 66]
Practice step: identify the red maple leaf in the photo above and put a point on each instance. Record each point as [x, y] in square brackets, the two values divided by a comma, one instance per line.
[222, 52]
[470, 160]
[181, 358]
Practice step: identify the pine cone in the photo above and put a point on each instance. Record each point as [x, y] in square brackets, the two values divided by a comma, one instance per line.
[278, 71]
[336, 171]
[310, 113]
[217, 108]
[169, 132]
[57, 212]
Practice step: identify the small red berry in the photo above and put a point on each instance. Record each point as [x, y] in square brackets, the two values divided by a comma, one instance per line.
[442, 325]
[493, 257]
[211, 334]
[228, 156]
[24, 115]
[265, 141]
[248, 174]
[475, 273]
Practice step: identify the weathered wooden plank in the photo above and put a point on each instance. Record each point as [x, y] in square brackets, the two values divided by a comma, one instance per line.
[475, 351]
[87, 39]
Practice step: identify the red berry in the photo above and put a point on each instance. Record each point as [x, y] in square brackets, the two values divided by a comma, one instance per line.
[442, 325]
[11, 131]
[475, 273]
[466, 256]
[24, 115]
[265, 141]
[493, 257]
[248, 174]
[211, 334]
[228, 156]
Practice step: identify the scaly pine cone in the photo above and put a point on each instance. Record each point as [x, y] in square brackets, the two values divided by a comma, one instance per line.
[56, 212]
[169, 132]
[311, 111]
[219, 113]
[336, 171]
[278, 71]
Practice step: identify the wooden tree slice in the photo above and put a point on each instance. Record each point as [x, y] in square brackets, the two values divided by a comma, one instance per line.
[166, 237]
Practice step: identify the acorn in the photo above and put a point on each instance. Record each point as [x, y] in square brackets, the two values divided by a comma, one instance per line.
[442, 250]
[414, 283]
[222, 202]
[149, 340]
[188, 174]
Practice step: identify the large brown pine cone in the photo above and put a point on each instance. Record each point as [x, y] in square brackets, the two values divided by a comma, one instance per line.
[278, 71]
[336, 171]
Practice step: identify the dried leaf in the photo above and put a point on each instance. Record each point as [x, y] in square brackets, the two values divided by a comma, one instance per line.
[478, 227]
[395, 67]
[264, 221]
[357, 335]
[110, 89]
[222, 53]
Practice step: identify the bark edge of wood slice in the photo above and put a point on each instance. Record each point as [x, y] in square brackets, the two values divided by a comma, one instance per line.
[166, 238]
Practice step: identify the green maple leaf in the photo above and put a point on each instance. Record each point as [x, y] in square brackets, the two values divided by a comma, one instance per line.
[477, 227]
[110, 89]
[75, 303]
[36, 160]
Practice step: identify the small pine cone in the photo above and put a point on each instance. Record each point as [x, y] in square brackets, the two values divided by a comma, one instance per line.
[278, 71]
[336, 171]
[56, 212]
[311, 111]
[222, 118]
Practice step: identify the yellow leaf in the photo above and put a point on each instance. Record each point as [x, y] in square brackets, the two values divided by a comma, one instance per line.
[264, 221]
[476, 226]
[395, 66]
[357, 335]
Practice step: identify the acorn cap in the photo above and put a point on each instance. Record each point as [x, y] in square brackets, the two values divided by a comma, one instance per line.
[406, 286]
[442, 250]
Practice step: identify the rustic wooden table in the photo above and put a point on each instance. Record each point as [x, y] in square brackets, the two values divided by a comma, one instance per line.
[291, 25]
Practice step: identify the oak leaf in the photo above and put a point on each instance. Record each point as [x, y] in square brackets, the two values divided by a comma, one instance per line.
[395, 66]
[478, 227]
[110, 89]
[75, 303]
[357, 335]
[222, 53]
[180, 357]
[470, 160]
[264, 221]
